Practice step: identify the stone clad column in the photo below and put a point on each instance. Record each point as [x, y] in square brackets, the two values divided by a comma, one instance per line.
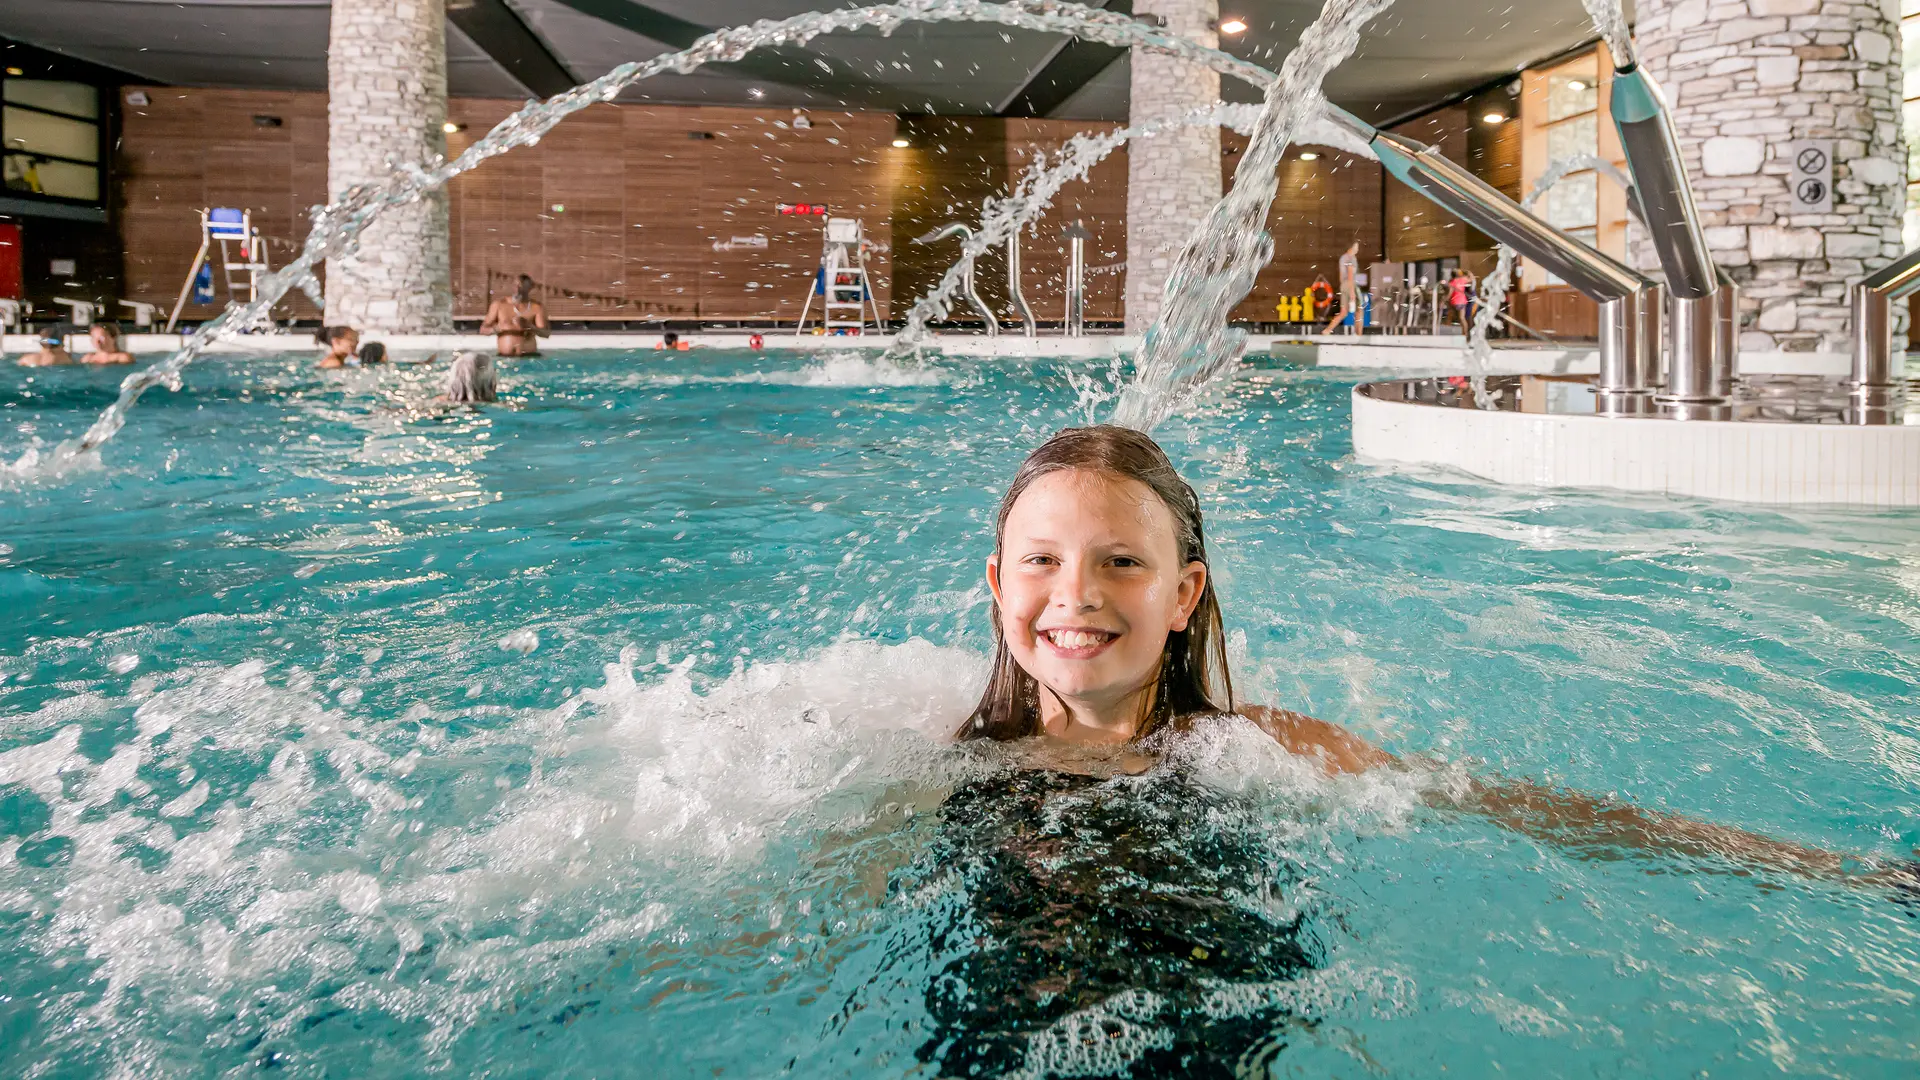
[386, 103]
[1173, 179]
[1745, 77]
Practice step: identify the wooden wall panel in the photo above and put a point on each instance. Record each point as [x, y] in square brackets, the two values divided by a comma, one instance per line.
[189, 149]
[644, 203]
[1319, 207]
[1098, 203]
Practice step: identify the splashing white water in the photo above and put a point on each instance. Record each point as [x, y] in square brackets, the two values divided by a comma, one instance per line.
[1611, 23]
[252, 859]
[338, 225]
[1002, 218]
[1191, 343]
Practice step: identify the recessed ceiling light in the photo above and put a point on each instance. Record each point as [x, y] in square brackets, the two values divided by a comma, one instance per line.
[16, 71]
[756, 93]
[1232, 26]
[902, 143]
[450, 127]
[1576, 86]
[1495, 118]
[1309, 156]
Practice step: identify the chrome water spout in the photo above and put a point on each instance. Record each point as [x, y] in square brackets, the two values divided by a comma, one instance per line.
[966, 272]
[1660, 183]
[1703, 344]
[1620, 291]
[1077, 237]
[1875, 397]
[1873, 300]
[1013, 285]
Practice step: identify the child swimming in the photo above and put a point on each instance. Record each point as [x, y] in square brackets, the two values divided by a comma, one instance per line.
[1104, 884]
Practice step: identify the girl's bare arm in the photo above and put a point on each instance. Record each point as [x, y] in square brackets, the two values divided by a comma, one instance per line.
[1596, 827]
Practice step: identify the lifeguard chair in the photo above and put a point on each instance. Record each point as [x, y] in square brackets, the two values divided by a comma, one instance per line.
[225, 226]
[840, 281]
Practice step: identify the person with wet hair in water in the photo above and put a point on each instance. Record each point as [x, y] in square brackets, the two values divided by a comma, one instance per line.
[518, 322]
[372, 353]
[1109, 896]
[470, 380]
[53, 349]
[342, 344]
[105, 339]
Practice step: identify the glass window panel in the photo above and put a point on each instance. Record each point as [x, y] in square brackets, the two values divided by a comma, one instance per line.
[1909, 8]
[1573, 88]
[45, 134]
[1580, 135]
[24, 172]
[1573, 203]
[1910, 57]
[1910, 231]
[74, 99]
[1910, 121]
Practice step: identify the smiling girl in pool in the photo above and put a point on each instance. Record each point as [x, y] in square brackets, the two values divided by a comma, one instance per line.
[1111, 923]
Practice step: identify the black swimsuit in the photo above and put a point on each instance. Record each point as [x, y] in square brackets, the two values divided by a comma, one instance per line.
[1129, 902]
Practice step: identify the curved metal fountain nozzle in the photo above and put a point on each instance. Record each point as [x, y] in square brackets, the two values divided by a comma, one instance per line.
[957, 228]
[965, 233]
[1457, 191]
[1013, 285]
[1629, 302]
[1660, 183]
[1873, 300]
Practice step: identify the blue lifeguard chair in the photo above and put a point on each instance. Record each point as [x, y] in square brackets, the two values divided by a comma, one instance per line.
[225, 226]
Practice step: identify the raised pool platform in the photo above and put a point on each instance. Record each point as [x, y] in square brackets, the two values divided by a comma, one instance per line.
[1787, 439]
[1408, 353]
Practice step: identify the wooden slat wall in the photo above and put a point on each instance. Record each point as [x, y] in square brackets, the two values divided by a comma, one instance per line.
[643, 204]
[1099, 203]
[190, 149]
[1417, 230]
[1319, 208]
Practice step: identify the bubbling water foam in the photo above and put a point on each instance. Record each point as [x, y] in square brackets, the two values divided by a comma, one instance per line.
[250, 859]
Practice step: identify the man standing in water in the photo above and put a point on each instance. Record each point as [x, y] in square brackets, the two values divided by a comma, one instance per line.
[1349, 289]
[517, 322]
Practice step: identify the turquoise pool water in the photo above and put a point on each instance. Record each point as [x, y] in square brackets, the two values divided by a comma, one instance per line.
[341, 736]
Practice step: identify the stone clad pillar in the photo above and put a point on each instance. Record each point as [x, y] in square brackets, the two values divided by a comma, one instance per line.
[1745, 77]
[386, 103]
[1173, 179]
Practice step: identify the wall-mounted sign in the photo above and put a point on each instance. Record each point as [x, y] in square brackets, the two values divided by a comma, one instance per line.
[739, 242]
[1810, 175]
[803, 209]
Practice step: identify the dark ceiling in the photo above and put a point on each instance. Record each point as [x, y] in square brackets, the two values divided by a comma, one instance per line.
[1419, 53]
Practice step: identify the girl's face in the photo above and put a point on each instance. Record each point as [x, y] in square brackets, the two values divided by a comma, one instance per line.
[1090, 583]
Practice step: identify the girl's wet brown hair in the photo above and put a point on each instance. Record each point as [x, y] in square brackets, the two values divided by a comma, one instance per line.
[1193, 670]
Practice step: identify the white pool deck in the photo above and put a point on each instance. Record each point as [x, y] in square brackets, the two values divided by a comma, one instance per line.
[1400, 354]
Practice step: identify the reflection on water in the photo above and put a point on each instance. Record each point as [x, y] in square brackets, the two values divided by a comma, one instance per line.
[342, 734]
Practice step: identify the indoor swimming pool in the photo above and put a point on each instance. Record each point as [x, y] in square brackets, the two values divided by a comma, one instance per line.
[604, 731]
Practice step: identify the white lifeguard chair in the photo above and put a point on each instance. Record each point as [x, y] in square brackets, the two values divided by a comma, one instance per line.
[226, 226]
[841, 282]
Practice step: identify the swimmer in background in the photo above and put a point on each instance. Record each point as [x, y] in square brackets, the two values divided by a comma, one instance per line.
[470, 381]
[517, 322]
[105, 337]
[53, 349]
[1096, 870]
[671, 340]
[342, 344]
[372, 353]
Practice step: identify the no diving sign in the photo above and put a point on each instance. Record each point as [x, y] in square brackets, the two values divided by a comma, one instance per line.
[1810, 175]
